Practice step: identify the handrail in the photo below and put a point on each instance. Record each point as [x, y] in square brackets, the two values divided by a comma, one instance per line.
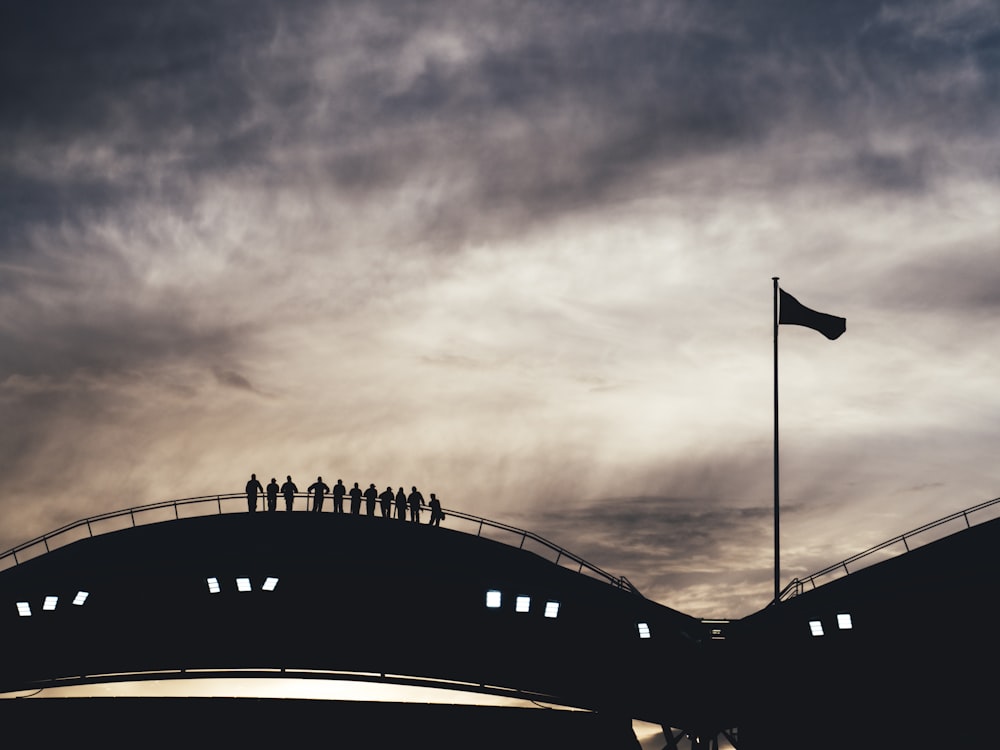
[798, 585]
[86, 525]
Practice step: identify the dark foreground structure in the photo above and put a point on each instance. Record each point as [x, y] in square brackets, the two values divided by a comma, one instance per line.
[899, 654]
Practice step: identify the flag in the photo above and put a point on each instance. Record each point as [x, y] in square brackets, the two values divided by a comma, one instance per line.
[793, 312]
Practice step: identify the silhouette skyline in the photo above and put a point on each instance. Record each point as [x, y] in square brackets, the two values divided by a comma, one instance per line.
[517, 253]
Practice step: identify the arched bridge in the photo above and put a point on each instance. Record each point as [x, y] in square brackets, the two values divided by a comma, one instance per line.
[199, 587]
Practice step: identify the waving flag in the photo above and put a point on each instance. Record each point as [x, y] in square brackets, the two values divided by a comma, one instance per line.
[793, 312]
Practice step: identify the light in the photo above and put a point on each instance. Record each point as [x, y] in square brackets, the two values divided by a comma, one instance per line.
[81, 597]
[243, 584]
[213, 586]
[816, 628]
[643, 628]
[270, 584]
[493, 599]
[50, 603]
[24, 609]
[844, 622]
[523, 604]
[552, 609]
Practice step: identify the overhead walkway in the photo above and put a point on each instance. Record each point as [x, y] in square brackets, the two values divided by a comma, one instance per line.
[898, 545]
[232, 503]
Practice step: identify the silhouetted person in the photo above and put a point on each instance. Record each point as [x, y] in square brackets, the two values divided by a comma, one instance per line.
[401, 505]
[272, 496]
[415, 500]
[436, 514]
[338, 496]
[318, 490]
[355, 499]
[371, 496]
[385, 500]
[288, 489]
[253, 487]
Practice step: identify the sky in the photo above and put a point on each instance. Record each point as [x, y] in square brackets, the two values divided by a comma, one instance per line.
[519, 254]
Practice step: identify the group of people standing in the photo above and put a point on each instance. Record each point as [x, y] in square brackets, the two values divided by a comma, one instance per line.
[385, 501]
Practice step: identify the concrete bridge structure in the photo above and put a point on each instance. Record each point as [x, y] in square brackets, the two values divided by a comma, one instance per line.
[520, 642]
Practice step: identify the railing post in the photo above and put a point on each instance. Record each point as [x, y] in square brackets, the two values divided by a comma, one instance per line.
[904, 542]
[45, 541]
[219, 501]
[966, 517]
[480, 532]
[177, 515]
[131, 514]
[90, 531]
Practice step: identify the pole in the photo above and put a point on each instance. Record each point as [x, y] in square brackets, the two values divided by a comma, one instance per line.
[777, 535]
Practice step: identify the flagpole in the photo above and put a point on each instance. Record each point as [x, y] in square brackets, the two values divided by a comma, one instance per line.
[777, 536]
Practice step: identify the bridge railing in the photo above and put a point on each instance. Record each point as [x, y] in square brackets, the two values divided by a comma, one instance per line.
[204, 505]
[893, 547]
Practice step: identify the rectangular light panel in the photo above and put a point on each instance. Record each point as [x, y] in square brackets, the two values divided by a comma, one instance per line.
[243, 584]
[644, 630]
[50, 603]
[270, 584]
[81, 597]
[523, 604]
[844, 622]
[816, 627]
[213, 586]
[24, 609]
[493, 599]
[552, 609]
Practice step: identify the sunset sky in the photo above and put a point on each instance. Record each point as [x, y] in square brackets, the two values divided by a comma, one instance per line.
[515, 253]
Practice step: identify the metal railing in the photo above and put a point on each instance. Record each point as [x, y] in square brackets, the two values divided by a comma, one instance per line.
[890, 548]
[203, 505]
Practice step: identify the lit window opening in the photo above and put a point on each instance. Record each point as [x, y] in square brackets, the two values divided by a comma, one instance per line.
[24, 609]
[243, 584]
[523, 604]
[643, 628]
[50, 603]
[213, 586]
[81, 597]
[493, 599]
[816, 628]
[552, 609]
[844, 621]
[270, 584]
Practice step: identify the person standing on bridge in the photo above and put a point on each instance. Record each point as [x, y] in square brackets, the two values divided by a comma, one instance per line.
[371, 496]
[272, 496]
[318, 490]
[385, 500]
[288, 489]
[436, 514]
[338, 496]
[415, 501]
[253, 487]
[401, 505]
[355, 494]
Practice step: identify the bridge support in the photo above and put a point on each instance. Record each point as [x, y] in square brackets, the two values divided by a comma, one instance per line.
[700, 739]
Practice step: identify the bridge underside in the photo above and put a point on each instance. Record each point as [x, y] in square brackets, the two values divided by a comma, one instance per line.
[282, 723]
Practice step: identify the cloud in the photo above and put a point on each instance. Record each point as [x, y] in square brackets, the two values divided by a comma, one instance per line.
[518, 254]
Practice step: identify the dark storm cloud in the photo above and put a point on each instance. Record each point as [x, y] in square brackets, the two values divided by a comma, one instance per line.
[550, 108]
[677, 551]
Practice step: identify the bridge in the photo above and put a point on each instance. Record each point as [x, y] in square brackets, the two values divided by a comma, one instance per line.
[487, 619]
